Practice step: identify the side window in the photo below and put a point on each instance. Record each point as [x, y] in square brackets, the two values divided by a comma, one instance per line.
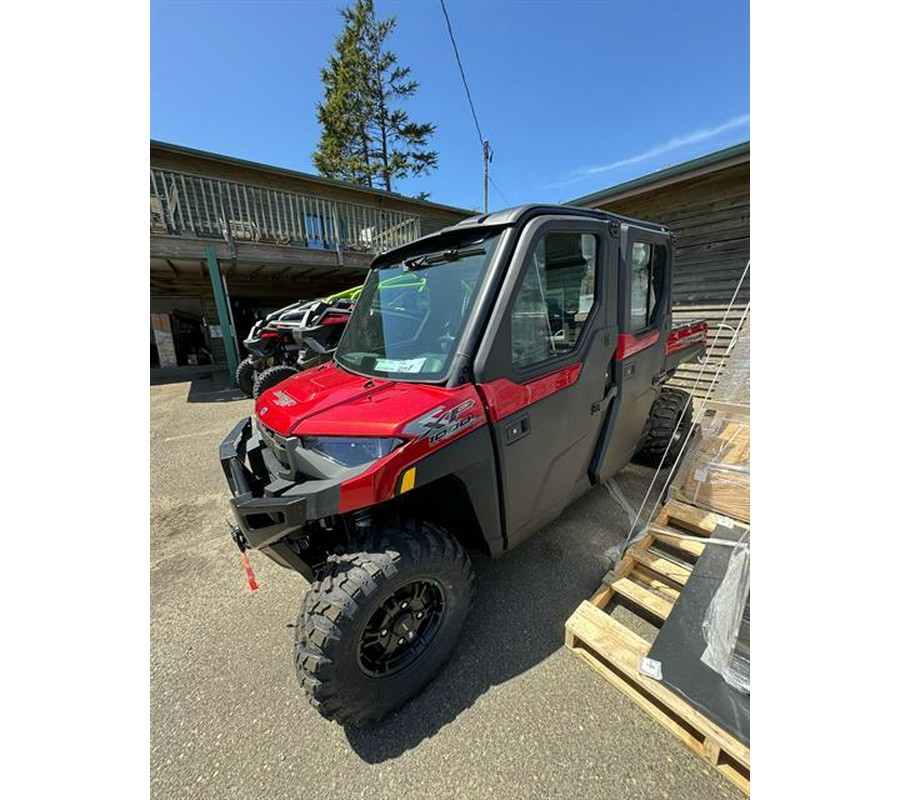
[647, 273]
[555, 297]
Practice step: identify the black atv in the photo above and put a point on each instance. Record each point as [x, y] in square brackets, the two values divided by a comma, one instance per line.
[289, 339]
[311, 340]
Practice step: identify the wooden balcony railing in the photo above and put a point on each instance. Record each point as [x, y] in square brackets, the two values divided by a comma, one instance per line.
[182, 204]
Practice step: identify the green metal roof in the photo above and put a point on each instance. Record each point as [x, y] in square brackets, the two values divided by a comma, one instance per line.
[189, 151]
[647, 181]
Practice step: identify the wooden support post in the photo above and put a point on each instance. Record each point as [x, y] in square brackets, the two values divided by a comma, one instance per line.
[215, 278]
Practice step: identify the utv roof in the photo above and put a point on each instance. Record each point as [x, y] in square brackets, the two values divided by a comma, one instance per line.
[512, 216]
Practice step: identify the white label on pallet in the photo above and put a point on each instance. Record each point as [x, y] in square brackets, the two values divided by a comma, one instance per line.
[725, 522]
[700, 475]
[651, 668]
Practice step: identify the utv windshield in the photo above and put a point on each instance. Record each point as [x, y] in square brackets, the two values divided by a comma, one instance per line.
[409, 317]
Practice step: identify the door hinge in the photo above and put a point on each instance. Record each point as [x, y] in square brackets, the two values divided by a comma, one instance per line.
[599, 405]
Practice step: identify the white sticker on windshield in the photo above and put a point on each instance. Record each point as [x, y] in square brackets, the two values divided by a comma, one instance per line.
[399, 364]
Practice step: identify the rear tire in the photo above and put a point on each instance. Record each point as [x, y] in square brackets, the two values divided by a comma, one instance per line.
[666, 422]
[349, 655]
[271, 377]
[245, 375]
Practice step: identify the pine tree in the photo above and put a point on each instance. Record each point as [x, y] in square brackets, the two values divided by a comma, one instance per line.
[366, 137]
[344, 147]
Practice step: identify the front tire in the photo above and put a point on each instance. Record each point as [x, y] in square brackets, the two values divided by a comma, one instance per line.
[670, 419]
[245, 375]
[378, 624]
[272, 377]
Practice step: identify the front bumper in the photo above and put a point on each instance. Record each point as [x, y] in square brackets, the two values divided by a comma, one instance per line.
[267, 506]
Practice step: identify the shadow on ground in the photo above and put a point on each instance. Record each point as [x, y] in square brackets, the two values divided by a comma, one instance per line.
[208, 384]
[214, 388]
[518, 620]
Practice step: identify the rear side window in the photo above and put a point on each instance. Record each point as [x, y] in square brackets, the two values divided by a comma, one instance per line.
[555, 298]
[647, 274]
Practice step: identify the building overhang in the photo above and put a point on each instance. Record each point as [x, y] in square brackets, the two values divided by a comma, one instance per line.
[679, 173]
[179, 265]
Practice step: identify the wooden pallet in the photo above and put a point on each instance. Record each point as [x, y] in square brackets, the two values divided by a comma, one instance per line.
[650, 576]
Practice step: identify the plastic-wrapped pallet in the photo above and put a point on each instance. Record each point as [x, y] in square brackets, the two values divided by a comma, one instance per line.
[718, 476]
[726, 624]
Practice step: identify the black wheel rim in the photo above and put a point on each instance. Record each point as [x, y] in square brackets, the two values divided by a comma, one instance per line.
[402, 628]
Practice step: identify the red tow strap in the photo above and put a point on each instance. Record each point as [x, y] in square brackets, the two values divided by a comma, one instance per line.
[251, 578]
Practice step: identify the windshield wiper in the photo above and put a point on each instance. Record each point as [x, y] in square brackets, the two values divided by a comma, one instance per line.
[429, 260]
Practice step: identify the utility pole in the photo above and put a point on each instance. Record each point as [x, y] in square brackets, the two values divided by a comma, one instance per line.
[486, 150]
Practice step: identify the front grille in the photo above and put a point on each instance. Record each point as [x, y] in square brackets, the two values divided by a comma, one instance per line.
[277, 443]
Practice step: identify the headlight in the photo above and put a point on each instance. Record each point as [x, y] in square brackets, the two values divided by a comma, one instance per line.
[350, 451]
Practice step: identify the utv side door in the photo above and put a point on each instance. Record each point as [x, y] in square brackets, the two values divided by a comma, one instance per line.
[645, 286]
[543, 367]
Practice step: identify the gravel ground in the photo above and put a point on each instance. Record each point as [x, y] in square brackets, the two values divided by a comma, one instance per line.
[513, 714]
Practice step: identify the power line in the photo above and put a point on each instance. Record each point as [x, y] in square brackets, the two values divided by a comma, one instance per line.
[462, 72]
[486, 150]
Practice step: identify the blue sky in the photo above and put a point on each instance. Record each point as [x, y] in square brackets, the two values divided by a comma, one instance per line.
[573, 95]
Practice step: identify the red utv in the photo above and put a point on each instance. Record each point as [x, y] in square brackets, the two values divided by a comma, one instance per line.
[490, 374]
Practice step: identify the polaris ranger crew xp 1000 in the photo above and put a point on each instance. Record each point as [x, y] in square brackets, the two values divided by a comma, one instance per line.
[490, 374]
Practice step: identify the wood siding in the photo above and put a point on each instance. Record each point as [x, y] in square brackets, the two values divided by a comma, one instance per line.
[710, 217]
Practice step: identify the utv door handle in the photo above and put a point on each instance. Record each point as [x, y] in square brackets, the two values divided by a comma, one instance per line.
[628, 371]
[518, 429]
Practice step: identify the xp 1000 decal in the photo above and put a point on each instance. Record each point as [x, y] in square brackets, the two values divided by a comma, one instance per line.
[437, 425]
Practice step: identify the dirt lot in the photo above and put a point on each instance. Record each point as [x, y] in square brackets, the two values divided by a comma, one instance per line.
[514, 714]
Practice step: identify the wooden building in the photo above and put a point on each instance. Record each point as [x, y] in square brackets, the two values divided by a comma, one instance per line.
[232, 239]
[706, 203]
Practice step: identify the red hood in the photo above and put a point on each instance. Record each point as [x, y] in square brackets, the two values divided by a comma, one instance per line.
[328, 401]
